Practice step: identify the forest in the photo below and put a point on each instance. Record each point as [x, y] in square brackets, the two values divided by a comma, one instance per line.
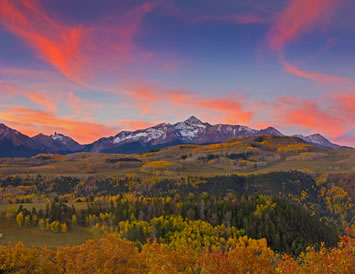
[167, 220]
[284, 219]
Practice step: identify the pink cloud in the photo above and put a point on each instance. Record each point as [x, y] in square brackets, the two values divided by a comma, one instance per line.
[307, 114]
[35, 97]
[297, 18]
[33, 122]
[78, 52]
[318, 77]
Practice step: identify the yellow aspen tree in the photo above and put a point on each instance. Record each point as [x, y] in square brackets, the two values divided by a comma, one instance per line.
[64, 227]
[19, 219]
[73, 219]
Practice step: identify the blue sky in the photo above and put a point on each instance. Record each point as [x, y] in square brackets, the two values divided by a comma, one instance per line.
[90, 69]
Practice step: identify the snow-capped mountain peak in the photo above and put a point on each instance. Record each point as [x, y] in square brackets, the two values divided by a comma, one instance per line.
[317, 139]
[58, 143]
[190, 131]
[193, 121]
[58, 137]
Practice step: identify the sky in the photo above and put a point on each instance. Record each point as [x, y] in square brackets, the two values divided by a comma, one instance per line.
[89, 68]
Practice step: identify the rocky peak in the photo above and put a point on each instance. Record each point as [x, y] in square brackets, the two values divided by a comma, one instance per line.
[193, 120]
[271, 131]
[58, 136]
[7, 132]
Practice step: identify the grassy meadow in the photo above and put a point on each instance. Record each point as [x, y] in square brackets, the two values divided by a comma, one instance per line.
[34, 237]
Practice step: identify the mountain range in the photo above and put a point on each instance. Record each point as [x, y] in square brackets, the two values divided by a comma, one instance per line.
[191, 131]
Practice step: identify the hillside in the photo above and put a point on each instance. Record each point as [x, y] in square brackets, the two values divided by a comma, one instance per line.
[191, 131]
[207, 198]
[243, 156]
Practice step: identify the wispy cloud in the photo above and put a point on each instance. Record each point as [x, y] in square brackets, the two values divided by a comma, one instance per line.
[298, 18]
[317, 77]
[40, 99]
[78, 52]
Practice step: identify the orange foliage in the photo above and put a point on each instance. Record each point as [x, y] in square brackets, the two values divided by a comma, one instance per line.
[336, 260]
[248, 256]
[113, 255]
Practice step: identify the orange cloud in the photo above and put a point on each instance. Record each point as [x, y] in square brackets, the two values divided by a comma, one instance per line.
[314, 76]
[347, 101]
[228, 109]
[40, 99]
[33, 122]
[297, 18]
[144, 95]
[55, 43]
[306, 114]
[35, 97]
[78, 52]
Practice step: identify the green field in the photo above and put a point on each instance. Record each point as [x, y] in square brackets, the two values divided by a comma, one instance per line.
[33, 236]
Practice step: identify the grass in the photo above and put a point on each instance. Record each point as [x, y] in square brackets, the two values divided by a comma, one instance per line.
[33, 236]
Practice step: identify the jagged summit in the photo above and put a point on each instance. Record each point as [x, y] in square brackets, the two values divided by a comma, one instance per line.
[271, 131]
[58, 136]
[193, 120]
[318, 140]
[189, 131]
[58, 143]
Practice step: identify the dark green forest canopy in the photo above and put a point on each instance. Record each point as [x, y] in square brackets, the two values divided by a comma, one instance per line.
[272, 183]
[284, 207]
[286, 227]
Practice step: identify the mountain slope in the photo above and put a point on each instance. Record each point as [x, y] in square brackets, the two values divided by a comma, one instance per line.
[318, 140]
[15, 144]
[190, 131]
[58, 143]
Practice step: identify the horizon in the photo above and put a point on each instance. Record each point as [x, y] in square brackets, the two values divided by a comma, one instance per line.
[89, 70]
[174, 123]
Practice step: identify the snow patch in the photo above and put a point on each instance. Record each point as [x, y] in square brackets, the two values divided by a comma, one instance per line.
[57, 137]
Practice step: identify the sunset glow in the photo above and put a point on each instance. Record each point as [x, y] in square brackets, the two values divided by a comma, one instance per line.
[90, 69]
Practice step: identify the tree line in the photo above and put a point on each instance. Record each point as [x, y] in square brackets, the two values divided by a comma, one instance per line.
[286, 227]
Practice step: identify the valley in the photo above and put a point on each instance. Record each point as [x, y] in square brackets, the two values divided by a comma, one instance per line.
[202, 137]
[243, 156]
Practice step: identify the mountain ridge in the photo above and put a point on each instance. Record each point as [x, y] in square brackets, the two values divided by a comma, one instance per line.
[191, 131]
